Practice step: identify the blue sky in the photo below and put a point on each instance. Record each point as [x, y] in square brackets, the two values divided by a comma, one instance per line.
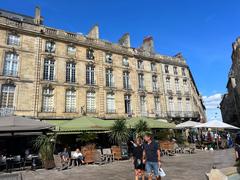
[202, 30]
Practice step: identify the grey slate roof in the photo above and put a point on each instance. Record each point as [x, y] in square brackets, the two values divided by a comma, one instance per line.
[17, 16]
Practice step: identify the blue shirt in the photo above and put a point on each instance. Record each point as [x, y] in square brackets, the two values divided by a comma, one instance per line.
[151, 151]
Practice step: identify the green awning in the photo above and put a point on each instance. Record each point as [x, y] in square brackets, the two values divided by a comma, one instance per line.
[84, 123]
[152, 123]
[92, 124]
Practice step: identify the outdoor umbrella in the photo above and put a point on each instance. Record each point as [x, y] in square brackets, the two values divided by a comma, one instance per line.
[215, 124]
[187, 124]
[19, 124]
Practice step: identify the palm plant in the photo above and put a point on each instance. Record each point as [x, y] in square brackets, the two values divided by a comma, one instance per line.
[119, 132]
[45, 144]
[141, 127]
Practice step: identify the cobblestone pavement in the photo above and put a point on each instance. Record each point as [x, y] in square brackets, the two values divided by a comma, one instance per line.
[179, 167]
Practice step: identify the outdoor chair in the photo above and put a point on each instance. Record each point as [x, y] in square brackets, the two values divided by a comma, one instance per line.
[12, 176]
[117, 153]
[59, 164]
[108, 154]
[190, 149]
[2, 162]
[18, 162]
[99, 158]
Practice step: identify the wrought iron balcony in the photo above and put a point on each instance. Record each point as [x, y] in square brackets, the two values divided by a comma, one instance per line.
[111, 111]
[92, 110]
[7, 111]
[184, 114]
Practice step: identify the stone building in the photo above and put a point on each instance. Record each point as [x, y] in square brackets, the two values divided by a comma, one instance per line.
[230, 104]
[50, 73]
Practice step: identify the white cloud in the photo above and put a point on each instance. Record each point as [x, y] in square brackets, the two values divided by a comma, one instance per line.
[213, 101]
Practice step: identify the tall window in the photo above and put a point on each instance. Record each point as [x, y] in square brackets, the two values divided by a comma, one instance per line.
[127, 103]
[71, 50]
[157, 104]
[177, 85]
[153, 67]
[141, 81]
[154, 83]
[175, 70]
[143, 105]
[185, 85]
[126, 80]
[50, 47]
[108, 58]
[183, 72]
[13, 40]
[110, 103]
[125, 61]
[70, 101]
[11, 64]
[170, 104]
[168, 84]
[7, 96]
[91, 102]
[48, 100]
[140, 64]
[109, 78]
[48, 72]
[188, 105]
[70, 72]
[90, 79]
[90, 54]
[166, 69]
[179, 104]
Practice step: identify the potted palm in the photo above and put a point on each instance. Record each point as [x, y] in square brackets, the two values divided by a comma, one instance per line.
[141, 127]
[119, 134]
[45, 144]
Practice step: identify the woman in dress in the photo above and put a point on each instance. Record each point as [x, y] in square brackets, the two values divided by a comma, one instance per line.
[137, 159]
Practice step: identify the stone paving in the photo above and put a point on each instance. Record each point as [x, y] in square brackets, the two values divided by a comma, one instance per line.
[179, 167]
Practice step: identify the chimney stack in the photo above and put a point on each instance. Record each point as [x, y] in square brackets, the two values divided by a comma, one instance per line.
[94, 32]
[148, 44]
[37, 18]
[125, 40]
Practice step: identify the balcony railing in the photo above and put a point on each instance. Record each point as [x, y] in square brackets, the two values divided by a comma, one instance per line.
[91, 110]
[110, 84]
[186, 114]
[6, 111]
[71, 110]
[111, 111]
[142, 88]
[127, 87]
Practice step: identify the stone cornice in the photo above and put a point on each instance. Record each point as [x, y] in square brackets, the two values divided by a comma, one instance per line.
[78, 39]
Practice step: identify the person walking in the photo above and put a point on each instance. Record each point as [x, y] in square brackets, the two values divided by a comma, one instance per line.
[137, 159]
[151, 157]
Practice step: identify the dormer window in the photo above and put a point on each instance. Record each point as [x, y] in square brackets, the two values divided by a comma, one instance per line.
[71, 50]
[183, 72]
[50, 47]
[125, 61]
[13, 39]
[90, 54]
[108, 57]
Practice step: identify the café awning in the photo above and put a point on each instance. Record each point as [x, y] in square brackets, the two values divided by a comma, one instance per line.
[152, 123]
[215, 124]
[19, 124]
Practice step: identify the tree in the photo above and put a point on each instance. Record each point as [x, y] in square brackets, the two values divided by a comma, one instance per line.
[141, 127]
[119, 132]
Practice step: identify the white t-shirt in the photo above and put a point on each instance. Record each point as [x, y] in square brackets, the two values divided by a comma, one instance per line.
[77, 154]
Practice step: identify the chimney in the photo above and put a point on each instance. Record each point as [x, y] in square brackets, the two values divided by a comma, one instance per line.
[94, 32]
[125, 40]
[148, 44]
[37, 18]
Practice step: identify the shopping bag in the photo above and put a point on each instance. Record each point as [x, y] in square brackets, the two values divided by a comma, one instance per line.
[161, 172]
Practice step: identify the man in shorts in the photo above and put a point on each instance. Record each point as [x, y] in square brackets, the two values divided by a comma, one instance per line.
[151, 157]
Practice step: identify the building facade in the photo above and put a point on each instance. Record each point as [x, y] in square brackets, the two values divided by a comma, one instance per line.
[49, 73]
[230, 104]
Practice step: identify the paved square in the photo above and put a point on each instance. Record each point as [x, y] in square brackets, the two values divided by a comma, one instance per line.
[179, 167]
